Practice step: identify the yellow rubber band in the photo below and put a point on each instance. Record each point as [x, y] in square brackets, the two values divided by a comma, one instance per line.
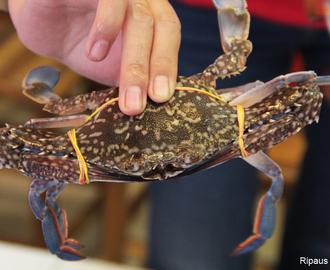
[200, 90]
[240, 119]
[83, 178]
[100, 108]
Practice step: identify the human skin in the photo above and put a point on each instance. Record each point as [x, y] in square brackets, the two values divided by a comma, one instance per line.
[130, 43]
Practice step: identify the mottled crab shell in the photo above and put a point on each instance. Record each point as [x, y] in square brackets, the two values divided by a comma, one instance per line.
[190, 130]
[162, 141]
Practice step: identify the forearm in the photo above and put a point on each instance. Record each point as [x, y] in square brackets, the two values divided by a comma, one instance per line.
[3, 5]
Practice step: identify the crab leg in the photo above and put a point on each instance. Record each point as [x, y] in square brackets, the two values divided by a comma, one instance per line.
[258, 93]
[36, 203]
[58, 243]
[264, 223]
[228, 94]
[39, 83]
[53, 218]
[56, 122]
[322, 80]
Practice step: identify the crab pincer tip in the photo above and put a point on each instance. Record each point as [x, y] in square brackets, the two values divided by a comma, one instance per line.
[45, 74]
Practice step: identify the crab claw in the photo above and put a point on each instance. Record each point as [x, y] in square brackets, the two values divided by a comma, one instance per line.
[234, 22]
[38, 84]
[53, 220]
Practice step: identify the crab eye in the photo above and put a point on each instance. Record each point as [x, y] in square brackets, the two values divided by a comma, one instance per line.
[7, 133]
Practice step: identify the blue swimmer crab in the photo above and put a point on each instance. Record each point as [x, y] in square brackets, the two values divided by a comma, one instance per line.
[199, 127]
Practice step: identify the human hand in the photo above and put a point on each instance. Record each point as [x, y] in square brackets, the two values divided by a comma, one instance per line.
[130, 43]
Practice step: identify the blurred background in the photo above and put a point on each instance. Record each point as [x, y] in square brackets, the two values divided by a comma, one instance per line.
[110, 219]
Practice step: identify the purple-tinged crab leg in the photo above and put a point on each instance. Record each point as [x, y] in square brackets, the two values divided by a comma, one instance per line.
[53, 218]
[256, 94]
[55, 228]
[56, 242]
[322, 80]
[36, 188]
[264, 223]
[228, 94]
[56, 122]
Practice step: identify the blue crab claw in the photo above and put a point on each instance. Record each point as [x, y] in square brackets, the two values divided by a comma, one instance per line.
[53, 220]
[265, 220]
[234, 21]
[39, 82]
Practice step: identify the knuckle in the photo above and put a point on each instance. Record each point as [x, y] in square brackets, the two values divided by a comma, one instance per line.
[137, 70]
[142, 14]
[163, 62]
[106, 28]
[169, 21]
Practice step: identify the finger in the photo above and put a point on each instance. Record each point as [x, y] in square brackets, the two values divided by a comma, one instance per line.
[107, 24]
[164, 55]
[137, 42]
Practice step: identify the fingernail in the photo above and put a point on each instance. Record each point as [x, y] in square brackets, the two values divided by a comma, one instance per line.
[99, 50]
[161, 86]
[133, 98]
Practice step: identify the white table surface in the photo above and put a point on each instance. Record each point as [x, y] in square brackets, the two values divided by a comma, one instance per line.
[20, 257]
